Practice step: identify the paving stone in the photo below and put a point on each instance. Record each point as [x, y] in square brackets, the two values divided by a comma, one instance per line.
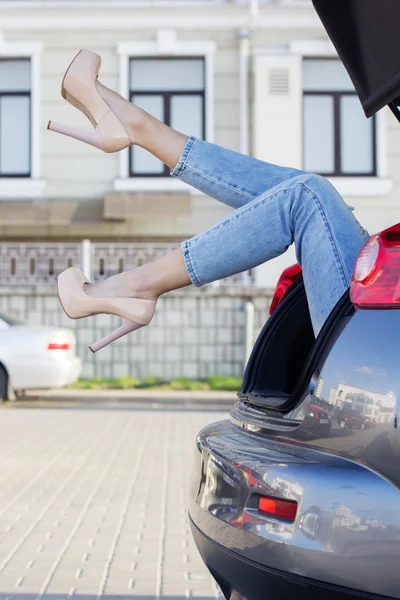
[94, 503]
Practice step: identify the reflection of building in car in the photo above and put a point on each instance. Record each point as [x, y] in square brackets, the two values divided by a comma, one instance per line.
[318, 388]
[287, 489]
[378, 407]
[345, 517]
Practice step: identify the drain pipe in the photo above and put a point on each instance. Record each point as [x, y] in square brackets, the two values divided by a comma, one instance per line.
[245, 36]
[244, 53]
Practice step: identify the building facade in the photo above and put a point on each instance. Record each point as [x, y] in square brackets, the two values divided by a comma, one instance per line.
[366, 402]
[257, 77]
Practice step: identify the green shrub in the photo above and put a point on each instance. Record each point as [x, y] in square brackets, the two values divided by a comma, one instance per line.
[151, 382]
[216, 383]
[182, 383]
[126, 383]
[224, 383]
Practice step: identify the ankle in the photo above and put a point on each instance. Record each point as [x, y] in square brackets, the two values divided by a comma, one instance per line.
[140, 125]
[139, 284]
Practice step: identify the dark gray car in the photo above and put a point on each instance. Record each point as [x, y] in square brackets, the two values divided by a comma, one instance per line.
[278, 513]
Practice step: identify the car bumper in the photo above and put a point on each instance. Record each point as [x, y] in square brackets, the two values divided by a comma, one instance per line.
[51, 372]
[329, 544]
[252, 581]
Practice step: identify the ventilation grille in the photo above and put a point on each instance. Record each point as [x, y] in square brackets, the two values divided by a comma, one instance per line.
[279, 82]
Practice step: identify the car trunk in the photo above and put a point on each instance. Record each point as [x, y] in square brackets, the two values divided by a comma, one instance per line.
[366, 35]
[286, 371]
[352, 366]
[280, 352]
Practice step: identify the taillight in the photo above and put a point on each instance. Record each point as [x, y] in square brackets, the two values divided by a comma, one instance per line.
[54, 346]
[280, 509]
[286, 280]
[376, 277]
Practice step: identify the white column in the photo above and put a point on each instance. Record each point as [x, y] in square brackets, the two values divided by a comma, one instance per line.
[86, 258]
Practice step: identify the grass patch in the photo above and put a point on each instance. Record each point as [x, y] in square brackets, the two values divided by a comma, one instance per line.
[218, 383]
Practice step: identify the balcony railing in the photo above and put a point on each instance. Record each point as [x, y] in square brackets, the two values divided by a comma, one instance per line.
[36, 263]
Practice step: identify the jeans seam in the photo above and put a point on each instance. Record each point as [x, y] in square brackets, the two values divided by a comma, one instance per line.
[221, 183]
[332, 239]
[181, 164]
[189, 264]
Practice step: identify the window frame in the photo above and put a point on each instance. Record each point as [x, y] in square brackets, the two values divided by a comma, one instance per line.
[337, 95]
[33, 186]
[166, 95]
[165, 44]
[19, 94]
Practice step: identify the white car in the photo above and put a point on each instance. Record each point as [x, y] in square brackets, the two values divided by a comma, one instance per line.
[35, 357]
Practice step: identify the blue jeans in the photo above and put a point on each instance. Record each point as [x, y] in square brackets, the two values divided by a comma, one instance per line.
[275, 206]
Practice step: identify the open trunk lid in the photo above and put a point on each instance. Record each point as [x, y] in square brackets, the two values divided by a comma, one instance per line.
[366, 34]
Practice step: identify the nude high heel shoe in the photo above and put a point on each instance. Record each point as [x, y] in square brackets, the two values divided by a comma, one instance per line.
[79, 89]
[76, 304]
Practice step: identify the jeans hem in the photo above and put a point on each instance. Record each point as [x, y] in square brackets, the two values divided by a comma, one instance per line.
[177, 170]
[189, 264]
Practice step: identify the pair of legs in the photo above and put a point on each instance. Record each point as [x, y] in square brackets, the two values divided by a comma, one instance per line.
[275, 207]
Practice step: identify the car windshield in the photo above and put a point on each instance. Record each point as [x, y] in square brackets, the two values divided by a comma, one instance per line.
[10, 319]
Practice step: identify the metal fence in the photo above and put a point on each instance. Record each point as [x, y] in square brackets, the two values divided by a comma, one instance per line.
[37, 263]
[195, 333]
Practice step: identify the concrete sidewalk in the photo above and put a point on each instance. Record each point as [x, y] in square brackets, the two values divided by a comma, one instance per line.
[96, 505]
[135, 395]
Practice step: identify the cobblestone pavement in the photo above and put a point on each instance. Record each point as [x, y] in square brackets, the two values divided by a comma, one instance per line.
[93, 503]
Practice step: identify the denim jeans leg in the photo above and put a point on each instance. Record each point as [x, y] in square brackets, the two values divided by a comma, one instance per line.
[230, 177]
[305, 210]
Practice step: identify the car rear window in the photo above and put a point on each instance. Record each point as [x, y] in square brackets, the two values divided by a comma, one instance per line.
[360, 372]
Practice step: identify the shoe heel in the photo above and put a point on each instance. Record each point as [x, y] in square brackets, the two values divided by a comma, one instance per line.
[93, 138]
[126, 327]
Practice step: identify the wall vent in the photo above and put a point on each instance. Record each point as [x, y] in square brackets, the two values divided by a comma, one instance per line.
[279, 82]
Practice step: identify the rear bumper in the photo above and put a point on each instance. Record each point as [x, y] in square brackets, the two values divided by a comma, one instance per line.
[51, 372]
[253, 581]
[345, 535]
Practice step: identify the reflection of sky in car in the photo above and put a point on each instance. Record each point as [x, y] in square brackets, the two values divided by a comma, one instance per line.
[367, 354]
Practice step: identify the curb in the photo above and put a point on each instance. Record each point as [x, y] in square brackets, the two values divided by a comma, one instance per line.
[168, 396]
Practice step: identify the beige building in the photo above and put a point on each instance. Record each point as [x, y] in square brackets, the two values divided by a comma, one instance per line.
[257, 77]
[364, 401]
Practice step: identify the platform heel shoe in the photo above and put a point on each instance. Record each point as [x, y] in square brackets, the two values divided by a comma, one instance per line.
[79, 89]
[135, 312]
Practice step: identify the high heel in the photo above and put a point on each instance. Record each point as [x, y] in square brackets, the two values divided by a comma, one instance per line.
[89, 137]
[126, 327]
[76, 304]
[79, 89]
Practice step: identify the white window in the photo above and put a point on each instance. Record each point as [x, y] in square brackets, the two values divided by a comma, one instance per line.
[338, 139]
[15, 117]
[174, 81]
[173, 91]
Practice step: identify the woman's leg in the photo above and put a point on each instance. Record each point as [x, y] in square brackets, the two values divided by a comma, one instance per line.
[230, 177]
[227, 176]
[306, 210]
[276, 206]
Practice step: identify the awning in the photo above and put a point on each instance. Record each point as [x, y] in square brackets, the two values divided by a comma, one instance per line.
[122, 206]
[31, 213]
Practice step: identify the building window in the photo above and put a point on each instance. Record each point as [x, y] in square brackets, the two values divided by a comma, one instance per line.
[339, 141]
[172, 90]
[15, 118]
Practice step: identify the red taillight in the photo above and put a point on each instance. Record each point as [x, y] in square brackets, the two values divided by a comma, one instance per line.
[286, 280]
[53, 346]
[376, 278]
[280, 509]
